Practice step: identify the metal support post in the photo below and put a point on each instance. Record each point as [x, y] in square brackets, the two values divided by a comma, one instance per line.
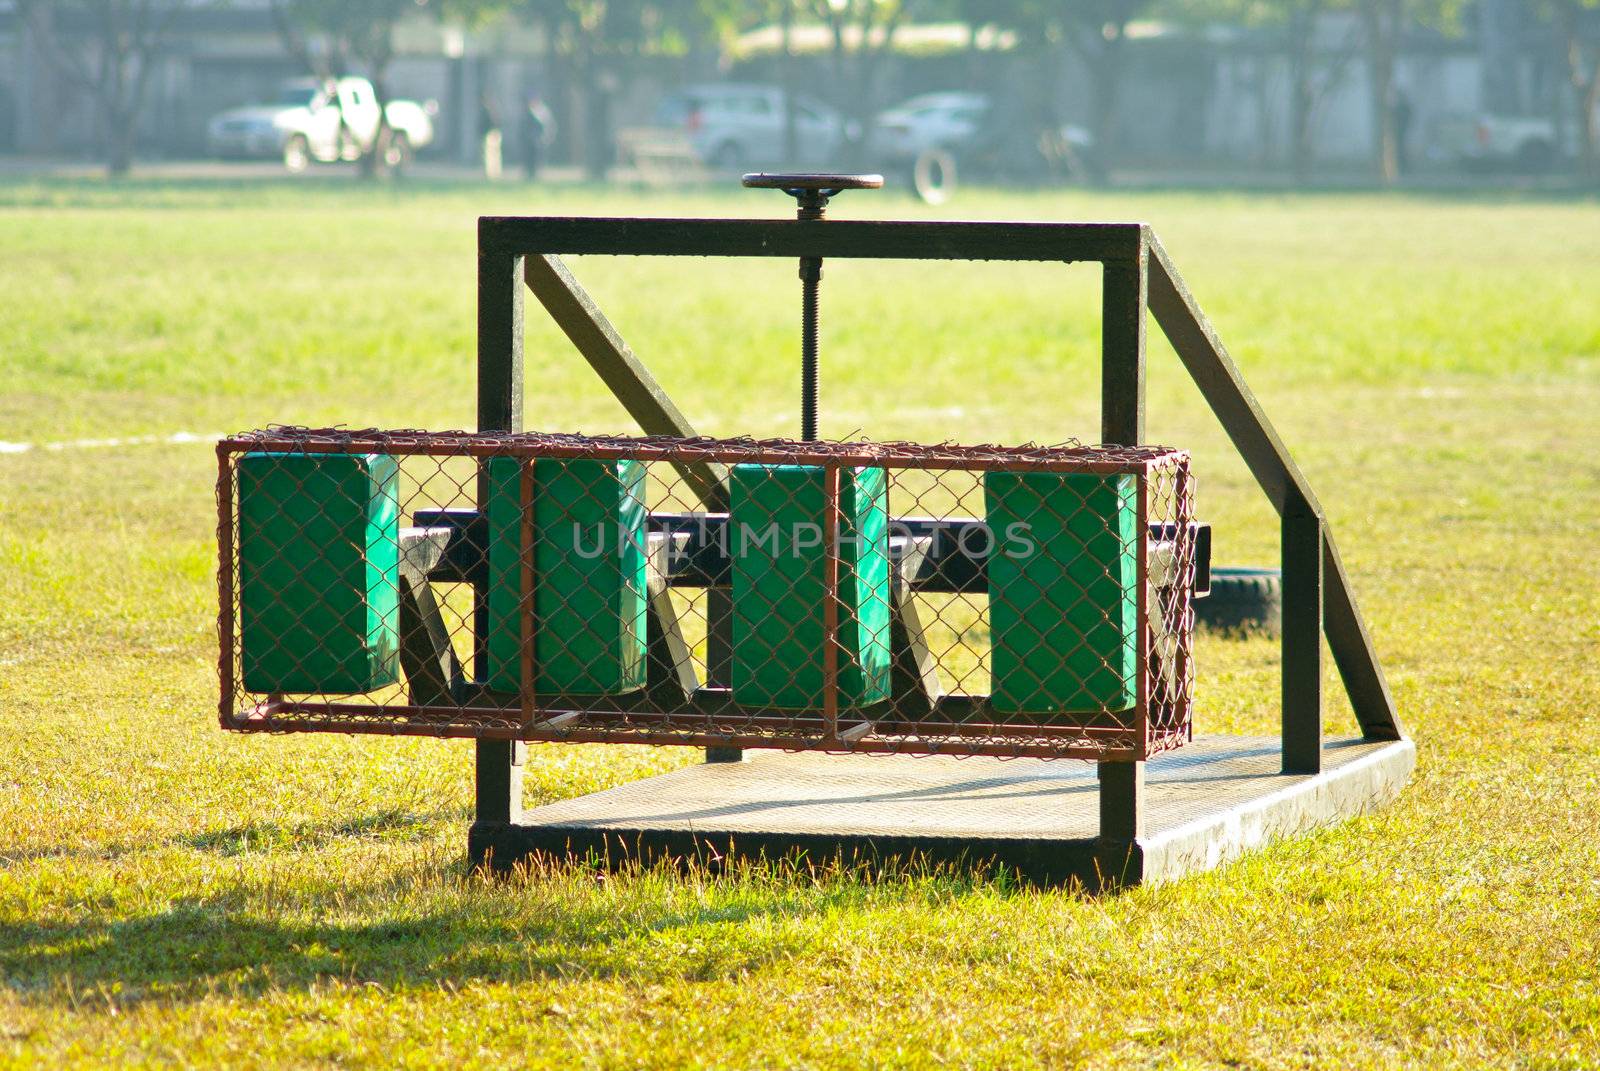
[498, 767]
[1302, 638]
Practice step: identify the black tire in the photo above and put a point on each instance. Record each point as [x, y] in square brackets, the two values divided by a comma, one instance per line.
[933, 176]
[729, 156]
[297, 154]
[1535, 156]
[1243, 600]
[397, 154]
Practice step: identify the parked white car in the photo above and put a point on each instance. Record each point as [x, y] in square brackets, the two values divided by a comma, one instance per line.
[1489, 142]
[311, 121]
[929, 121]
[967, 125]
[930, 138]
[740, 127]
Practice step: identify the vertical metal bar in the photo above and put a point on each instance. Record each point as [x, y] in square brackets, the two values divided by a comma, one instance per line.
[1124, 289]
[1121, 801]
[498, 799]
[719, 636]
[1302, 638]
[719, 647]
[1143, 635]
[525, 618]
[500, 306]
[1182, 701]
[225, 702]
[719, 656]
[830, 603]
[498, 795]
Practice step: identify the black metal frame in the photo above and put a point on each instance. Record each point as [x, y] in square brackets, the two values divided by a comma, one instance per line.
[1138, 277]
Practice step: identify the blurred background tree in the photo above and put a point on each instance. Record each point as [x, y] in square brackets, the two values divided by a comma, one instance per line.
[1383, 23]
[1577, 23]
[1316, 61]
[127, 37]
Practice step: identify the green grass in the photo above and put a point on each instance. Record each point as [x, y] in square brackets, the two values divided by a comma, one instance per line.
[172, 894]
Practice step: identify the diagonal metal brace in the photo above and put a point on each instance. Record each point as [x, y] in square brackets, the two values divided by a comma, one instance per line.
[576, 313]
[1196, 343]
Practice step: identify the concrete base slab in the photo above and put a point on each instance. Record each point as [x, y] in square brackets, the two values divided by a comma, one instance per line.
[1208, 802]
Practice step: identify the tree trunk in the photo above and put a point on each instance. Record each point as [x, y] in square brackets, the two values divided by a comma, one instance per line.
[868, 61]
[1382, 21]
[1585, 93]
[855, 75]
[1266, 140]
[119, 143]
[1105, 69]
[1047, 83]
[1302, 31]
[596, 117]
[791, 134]
[116, 83]
[1591, 126]
[974, 54]
[840, 70]
[558, 91]
[371, 165]
[1588, 127]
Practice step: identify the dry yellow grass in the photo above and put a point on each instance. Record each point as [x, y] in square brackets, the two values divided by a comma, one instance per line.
[171, 894]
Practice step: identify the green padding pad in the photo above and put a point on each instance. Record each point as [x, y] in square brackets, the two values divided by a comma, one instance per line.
[1063, 595]
[319, 572]
[775, 541]
[588, 575]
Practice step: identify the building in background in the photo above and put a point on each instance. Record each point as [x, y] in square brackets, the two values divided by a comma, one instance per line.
[1192, 96]
[224, 55]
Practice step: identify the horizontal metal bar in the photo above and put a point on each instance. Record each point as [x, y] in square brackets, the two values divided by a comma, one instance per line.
[925, 744]
[465, 559]
[953, 716]
[1107, 461]
[874, 239]
[960, 713]
[951, 563]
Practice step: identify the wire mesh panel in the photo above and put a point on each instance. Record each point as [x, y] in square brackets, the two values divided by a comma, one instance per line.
[872, 597]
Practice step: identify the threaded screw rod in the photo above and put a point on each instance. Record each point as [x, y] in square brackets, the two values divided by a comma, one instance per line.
[811, 205]
[811, 193]
[810, 277]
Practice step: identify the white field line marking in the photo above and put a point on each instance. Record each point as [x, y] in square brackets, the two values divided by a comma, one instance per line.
[97, 444]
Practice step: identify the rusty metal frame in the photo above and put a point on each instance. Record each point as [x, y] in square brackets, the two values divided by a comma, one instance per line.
[517, 254]
[709, 717]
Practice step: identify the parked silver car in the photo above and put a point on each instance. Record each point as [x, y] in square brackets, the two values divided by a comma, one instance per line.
[734, 126]
[930, 137]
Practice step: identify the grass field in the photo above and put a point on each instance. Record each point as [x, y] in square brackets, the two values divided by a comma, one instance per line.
[170, 894]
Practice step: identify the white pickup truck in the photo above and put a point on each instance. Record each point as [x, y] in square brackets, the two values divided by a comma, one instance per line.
[312, 121]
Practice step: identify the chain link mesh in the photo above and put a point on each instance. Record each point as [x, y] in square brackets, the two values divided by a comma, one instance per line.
[840, 596]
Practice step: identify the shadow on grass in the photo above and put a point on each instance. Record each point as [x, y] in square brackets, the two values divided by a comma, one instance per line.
[252, 837]
[425, 926]
[268, 836]
[203, 947]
